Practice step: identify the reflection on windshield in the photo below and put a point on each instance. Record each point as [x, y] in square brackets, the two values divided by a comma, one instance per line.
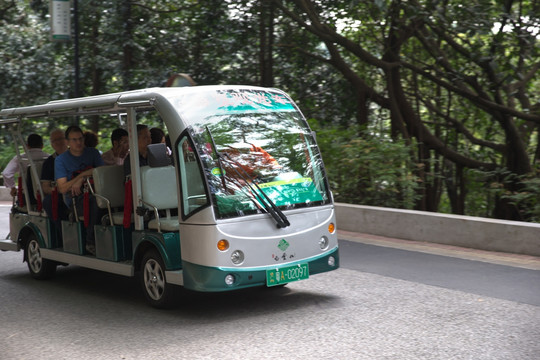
[272, 149]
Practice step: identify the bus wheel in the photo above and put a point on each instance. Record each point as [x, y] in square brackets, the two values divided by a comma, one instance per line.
[156, 290]
[39, 267]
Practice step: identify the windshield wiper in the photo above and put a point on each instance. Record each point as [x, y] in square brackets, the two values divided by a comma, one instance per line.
[218, 157]
[267, 203]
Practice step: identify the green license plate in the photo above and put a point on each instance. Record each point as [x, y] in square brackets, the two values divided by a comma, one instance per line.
[287, 274]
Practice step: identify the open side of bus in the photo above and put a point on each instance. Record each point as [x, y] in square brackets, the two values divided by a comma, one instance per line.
[197, 219]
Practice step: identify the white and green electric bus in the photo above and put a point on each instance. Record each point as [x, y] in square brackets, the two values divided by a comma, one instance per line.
[242, 200]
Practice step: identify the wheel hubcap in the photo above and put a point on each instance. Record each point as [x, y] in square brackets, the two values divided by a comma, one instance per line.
[34, 256]
[154, 279]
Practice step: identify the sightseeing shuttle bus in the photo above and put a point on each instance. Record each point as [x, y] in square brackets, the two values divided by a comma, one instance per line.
[239, 200]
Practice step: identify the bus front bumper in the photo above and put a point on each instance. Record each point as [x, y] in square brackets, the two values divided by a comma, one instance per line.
[212, 279]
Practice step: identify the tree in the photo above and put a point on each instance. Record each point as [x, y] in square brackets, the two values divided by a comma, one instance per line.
[445, 76]
[453, 87]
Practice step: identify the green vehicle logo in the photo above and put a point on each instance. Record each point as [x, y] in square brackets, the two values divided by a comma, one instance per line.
[283, 245]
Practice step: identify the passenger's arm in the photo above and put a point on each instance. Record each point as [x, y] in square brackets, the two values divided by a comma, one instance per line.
[9, 175]
[46, 186]
[74, 185]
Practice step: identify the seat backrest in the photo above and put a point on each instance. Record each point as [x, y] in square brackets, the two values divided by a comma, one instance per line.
[33, 183]
[158, 185]
[157, 155]
[36, 182]
[109, 183]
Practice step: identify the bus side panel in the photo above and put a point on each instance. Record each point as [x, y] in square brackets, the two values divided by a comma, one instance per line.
[74, 237]
[168, 245]
[172, 246]
[39, 225]
[110, 243]
[46, 230]
[16, 223]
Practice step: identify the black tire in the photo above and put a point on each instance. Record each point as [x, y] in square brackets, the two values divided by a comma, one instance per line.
[158, 293]
[39, 267]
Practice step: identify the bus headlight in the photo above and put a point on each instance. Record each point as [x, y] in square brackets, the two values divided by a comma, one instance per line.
[230, 279]
[323, 242]
[237, 257]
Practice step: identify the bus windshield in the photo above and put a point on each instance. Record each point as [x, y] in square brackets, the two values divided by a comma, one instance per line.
[257, 151]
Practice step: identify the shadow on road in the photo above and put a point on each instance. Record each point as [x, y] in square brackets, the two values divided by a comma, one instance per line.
[75, 285]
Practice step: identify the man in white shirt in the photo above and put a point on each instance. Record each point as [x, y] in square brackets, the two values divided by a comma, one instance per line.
[35, 152]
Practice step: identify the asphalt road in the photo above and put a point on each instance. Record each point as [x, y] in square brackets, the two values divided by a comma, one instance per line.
[475, 277]
[383, 303]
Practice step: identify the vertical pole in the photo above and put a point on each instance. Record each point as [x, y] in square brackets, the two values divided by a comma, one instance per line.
[134, 163]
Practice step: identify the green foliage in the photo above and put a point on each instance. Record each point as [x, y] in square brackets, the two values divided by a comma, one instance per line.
[126, 45]
[524, 195]
[369, 169]
[527, 199]
[449, 76]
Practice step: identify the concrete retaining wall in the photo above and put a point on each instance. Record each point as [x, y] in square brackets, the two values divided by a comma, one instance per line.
[466, 231]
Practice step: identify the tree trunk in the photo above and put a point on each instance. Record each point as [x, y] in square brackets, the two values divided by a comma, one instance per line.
[362, 112]
[266, 39]
[517, 162]
[127, 49]
[96, 71]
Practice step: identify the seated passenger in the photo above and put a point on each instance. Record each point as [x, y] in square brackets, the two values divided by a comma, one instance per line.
[58, 142]
[91, 140]
[143, 140]
[158, 136]
[71, 170]
[35, 152]
[119, 150]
